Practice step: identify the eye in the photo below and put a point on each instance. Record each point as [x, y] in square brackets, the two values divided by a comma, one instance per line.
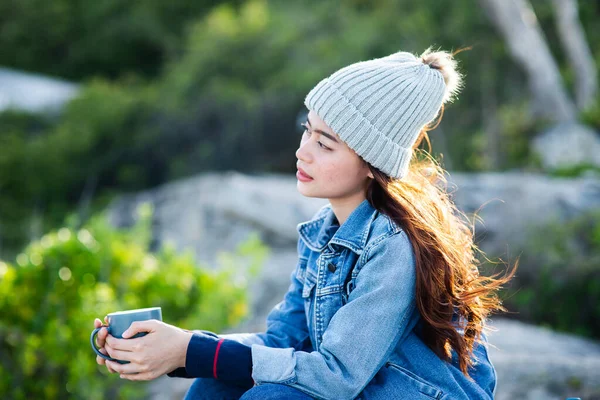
[305, 128]
[307, 132]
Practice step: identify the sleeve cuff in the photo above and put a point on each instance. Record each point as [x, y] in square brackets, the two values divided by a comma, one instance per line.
[178, 373]
[209, 356]
[233, 363]
[274, 365]
[182, 371]
[200, 355]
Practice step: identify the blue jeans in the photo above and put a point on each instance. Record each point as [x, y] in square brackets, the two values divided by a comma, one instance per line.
[212, 389]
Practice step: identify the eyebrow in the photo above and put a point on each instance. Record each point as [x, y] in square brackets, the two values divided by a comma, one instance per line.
[321, 132]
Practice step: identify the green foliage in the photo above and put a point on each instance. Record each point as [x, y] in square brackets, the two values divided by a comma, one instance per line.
[562, 289]
[517, 132]
[50, 296]
[82, 38]
[97, 146]
[576, 170]
[591, 116]
[18, 179]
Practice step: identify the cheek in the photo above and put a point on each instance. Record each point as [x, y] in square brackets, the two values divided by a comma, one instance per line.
[335, 178]
[342, 173]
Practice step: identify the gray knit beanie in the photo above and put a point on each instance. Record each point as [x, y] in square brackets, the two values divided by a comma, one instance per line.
[378, 107]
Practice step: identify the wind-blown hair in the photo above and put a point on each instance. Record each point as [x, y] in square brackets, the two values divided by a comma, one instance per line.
[452, 297]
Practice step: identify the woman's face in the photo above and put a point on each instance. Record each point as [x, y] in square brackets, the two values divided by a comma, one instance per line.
[337, 172]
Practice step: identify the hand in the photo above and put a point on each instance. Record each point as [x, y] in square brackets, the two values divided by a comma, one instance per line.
[162, 350]
[100, 340]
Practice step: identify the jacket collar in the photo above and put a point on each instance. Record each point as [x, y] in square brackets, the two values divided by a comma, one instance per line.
[353, 233]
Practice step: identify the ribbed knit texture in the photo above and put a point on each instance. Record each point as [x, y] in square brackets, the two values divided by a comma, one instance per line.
[378, 107]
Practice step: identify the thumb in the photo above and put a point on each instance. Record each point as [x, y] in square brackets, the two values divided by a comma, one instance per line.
[139, 326]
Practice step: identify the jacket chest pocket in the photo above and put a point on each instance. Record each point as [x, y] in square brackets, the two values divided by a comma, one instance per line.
[306, 277]
[310, 281]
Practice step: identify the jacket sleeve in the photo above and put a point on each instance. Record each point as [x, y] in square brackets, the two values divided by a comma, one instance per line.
[360, 336]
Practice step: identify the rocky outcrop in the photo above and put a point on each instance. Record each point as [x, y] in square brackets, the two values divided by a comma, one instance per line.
[215, 212]
[568, 144]
[536, 363]
[513, 205]
[32, 92]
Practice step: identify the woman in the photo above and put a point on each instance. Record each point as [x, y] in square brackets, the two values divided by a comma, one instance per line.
[386, 301]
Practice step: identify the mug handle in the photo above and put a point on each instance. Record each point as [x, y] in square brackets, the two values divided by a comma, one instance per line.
[93, 343]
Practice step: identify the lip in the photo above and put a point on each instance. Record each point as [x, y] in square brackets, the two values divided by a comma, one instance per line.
[302, 176]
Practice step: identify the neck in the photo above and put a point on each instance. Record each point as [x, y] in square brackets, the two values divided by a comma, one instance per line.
[342, 208]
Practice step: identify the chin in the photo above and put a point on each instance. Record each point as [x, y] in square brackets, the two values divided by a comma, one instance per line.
[306, 192]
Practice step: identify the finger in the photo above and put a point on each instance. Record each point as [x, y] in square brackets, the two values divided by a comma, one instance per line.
[101, 360]
[126, 369]
[109, 368]
[118, 354]
[101, 337]
[145, 376]
[97, 323]
[121, 344]
[106, 362]
[140, 326]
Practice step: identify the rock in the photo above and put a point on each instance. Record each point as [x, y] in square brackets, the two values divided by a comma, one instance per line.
[216, 211]
[33, 92]
[568, 144]
[514, 205]
[537, 363]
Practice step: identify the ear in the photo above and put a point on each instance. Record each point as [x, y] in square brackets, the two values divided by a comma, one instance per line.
[366, 164]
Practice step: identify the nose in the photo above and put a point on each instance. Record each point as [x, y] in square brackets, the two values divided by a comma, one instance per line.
[303, 153]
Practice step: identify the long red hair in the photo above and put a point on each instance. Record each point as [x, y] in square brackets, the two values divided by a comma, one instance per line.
[451, 295]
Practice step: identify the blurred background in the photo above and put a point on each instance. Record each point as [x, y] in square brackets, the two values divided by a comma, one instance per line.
[147, 159]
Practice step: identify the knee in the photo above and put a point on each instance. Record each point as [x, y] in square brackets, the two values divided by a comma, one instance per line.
[199, 388]
[265, 391]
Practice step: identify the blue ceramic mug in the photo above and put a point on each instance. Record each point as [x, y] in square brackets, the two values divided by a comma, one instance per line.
[120, 321]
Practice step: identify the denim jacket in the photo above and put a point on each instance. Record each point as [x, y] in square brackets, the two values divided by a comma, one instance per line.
[348, 326]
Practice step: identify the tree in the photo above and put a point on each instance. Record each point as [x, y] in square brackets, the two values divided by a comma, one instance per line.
[517, 22]
[578, 51]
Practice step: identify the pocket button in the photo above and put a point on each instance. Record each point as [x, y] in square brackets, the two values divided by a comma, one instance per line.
[331, 267]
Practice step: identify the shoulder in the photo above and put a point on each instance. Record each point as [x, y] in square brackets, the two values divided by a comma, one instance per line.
[388, 240]
[384, 228]
[390, 260]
